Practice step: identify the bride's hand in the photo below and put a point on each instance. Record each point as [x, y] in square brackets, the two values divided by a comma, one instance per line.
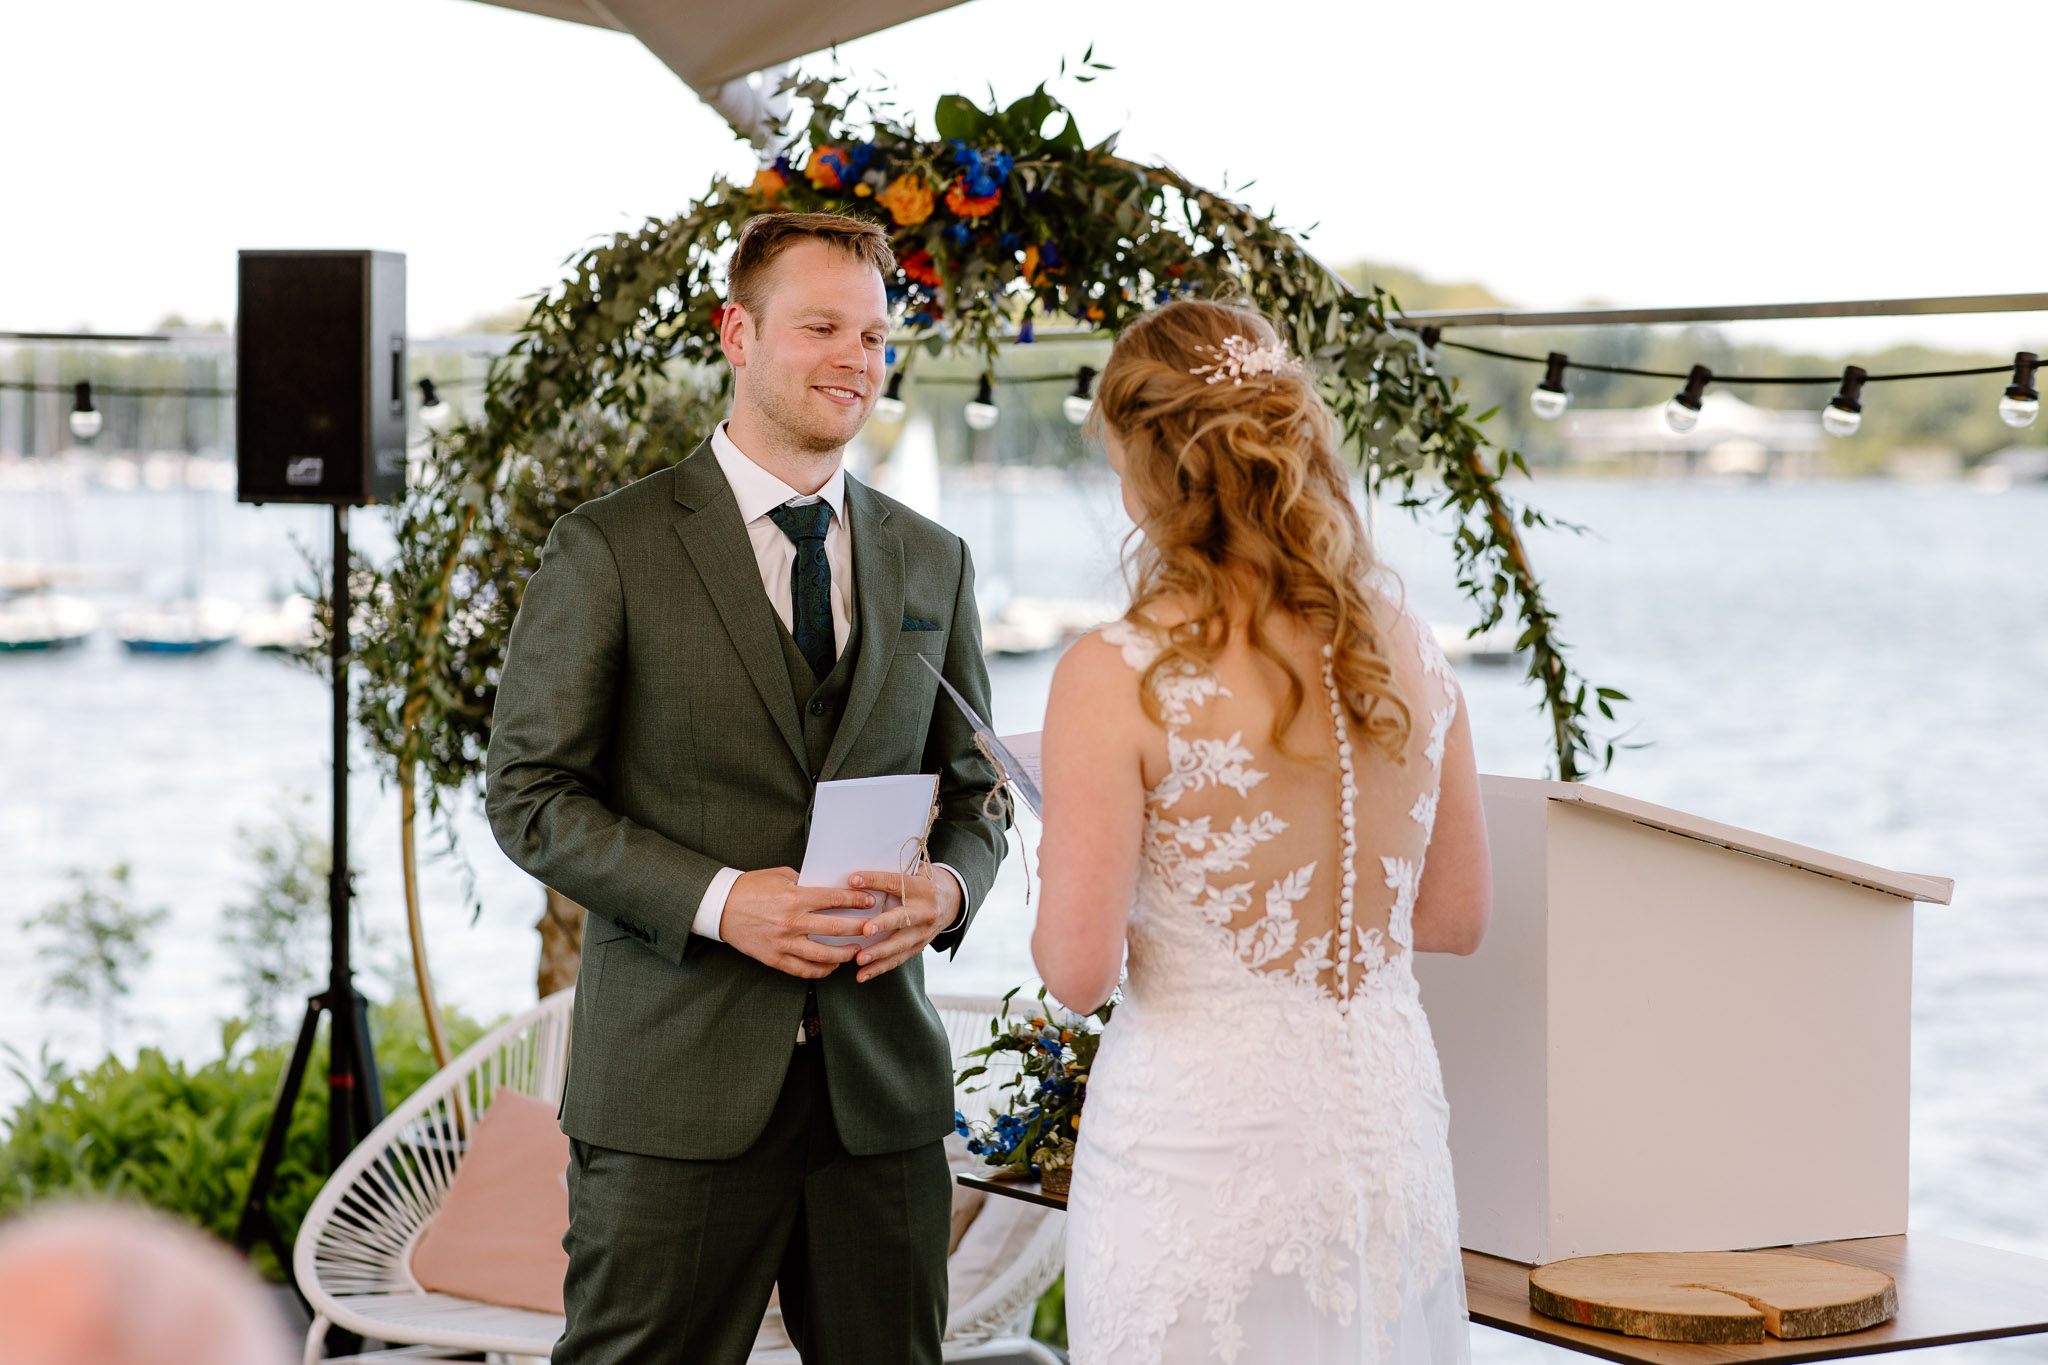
[930, 905]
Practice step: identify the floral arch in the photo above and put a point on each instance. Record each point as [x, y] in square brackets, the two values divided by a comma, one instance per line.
[1009, 227]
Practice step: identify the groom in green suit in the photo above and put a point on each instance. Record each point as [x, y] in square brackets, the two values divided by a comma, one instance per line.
[750, 1109]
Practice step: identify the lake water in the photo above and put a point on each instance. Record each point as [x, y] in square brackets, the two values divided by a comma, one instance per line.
[1856, 666]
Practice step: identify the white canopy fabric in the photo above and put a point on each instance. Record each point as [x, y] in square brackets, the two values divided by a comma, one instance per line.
[712, 42]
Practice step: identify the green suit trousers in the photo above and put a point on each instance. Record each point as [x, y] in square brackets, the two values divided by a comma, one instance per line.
[671, 1261]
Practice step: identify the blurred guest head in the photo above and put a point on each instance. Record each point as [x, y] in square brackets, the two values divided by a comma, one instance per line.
[113, 1285]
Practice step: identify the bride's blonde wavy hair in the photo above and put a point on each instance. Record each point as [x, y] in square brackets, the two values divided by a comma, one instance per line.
[1247, 510]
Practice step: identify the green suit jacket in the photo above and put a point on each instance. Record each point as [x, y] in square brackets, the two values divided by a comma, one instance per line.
[647, 735]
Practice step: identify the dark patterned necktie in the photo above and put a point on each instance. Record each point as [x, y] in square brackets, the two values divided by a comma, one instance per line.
[810, 583]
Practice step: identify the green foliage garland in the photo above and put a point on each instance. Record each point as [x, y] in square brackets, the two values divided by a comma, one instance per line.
[1007, 225]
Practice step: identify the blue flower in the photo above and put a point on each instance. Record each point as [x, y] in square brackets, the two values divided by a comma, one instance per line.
[1026, 334]
[958, 235]
[1049, 254]
[1011, 241]
[984, 172]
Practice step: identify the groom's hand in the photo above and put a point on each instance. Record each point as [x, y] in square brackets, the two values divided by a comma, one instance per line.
[930, 905]
[768, 917]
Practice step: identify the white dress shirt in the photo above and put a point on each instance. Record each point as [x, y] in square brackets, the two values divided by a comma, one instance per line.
[758, 493]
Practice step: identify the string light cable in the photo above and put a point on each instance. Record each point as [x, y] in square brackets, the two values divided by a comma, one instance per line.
[1841, 417]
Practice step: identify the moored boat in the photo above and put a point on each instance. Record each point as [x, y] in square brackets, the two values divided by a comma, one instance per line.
[45, 621]
[186, 625]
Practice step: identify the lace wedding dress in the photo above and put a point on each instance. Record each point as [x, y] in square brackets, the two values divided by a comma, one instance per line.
[1262, 1172]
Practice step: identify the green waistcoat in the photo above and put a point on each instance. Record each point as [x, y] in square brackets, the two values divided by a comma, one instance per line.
[820, 701]
[648, 732]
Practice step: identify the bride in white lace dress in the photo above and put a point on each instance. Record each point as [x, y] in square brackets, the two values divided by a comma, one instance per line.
[1261, 782]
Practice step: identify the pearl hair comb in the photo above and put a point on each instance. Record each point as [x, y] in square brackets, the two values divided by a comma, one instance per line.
[1238, 360]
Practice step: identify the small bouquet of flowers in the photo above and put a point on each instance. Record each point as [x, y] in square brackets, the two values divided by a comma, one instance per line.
[1034, 1134]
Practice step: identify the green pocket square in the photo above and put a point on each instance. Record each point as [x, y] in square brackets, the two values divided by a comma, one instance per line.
[914, 623]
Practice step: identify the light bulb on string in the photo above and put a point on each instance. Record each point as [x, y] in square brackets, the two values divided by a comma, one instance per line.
[1844, 412]
[1549, 399]
[2022, 402]
[434, 410]
[1078, 404]
[890, 407]
[982, 412]
[86, 419]
[1682, 413]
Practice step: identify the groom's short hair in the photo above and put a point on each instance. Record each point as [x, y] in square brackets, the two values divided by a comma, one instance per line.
[765, 236]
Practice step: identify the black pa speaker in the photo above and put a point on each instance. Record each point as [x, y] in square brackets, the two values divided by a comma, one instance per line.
[320, 377]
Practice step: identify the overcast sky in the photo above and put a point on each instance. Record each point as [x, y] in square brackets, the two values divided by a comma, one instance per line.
[1635, 152]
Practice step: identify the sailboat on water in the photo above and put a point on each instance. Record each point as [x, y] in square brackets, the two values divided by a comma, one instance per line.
[43, 620]
[189, 623]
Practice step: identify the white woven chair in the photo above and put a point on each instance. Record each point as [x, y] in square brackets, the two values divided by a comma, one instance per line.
[353, 1259]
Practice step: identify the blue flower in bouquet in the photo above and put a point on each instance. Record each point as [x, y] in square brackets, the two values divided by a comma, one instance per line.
[1011, 241]
[959, 236]
[1026, 333]
[983, 172]
[960, 1124]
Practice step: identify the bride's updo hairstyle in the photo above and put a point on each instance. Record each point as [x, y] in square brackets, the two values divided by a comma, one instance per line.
[1247, 507]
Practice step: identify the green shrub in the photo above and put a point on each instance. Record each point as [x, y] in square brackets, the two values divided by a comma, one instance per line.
[1049, 1319]
[184, 1138]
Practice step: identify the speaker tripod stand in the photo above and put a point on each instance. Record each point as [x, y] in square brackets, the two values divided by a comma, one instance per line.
[355, 1099]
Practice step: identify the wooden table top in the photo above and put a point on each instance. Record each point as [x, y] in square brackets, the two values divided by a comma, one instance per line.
[1026, 1190]
[1949, 1291]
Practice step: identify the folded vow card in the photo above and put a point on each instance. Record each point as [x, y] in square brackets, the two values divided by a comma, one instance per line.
[866, 824]
[1025, 750]
[1019, 769]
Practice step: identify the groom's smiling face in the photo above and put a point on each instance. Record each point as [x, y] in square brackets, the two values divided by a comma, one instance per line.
[810, 366]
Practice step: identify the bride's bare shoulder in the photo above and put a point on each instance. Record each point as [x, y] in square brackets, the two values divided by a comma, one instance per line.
[1100, 668]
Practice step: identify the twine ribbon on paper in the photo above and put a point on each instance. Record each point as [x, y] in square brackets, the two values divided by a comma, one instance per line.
[915, 854]
[997, 805]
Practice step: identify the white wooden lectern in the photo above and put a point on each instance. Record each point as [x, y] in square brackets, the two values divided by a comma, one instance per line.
[1677, 1036]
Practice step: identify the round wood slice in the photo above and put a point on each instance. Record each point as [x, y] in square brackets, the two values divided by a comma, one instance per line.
[1714, 1296]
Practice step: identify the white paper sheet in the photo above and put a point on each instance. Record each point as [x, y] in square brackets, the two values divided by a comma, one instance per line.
[1025, 749]
[865, 824]
[1026, 785]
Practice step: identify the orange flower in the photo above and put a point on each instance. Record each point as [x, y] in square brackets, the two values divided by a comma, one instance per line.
[1031, 265]
[966, 205]
[769, 182]
[908, 199]
[822, 170]
[863, 189]
[918, 266]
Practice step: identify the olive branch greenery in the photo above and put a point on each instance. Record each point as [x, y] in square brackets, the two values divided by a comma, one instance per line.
[1003, 231]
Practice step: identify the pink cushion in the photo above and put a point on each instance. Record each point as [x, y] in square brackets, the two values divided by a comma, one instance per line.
[498, 1236]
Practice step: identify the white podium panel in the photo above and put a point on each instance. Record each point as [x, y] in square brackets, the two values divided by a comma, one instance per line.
[1677, 1036]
